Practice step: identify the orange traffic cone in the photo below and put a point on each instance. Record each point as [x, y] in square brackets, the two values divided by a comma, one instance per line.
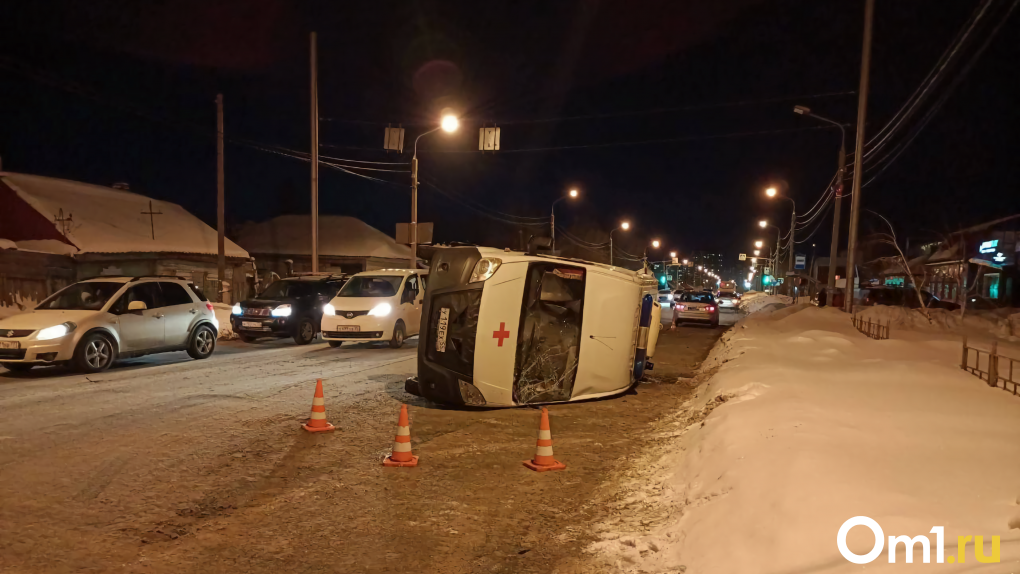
[317, 422]
[544, 460]
[402, 443]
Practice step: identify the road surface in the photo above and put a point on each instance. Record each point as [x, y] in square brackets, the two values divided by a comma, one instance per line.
[165, 464]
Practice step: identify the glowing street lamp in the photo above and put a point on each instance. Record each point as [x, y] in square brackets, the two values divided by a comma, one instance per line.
[450, 123]
[672, 254]
[762, 223]
[758, 243]
[771, 192]
[757, 252]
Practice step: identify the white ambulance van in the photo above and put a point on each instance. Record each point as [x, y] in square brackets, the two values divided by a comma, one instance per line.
[503, 328]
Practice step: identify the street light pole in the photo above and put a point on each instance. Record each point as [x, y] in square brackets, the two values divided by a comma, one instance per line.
[313, 56]
[413, 227]
[862, 109]
[552, 218]
[624, 226]
[840, 176]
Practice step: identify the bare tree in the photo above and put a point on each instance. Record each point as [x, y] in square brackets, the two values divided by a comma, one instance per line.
[890, 239]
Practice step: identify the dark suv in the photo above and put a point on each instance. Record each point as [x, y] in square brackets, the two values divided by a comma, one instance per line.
[290, 307]
[903, 297]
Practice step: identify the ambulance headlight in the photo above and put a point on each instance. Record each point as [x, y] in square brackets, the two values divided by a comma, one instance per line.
[328, 309]
[485, 268]
[381, 310]
[471, 395]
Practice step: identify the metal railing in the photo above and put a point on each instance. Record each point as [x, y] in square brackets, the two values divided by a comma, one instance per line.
[875, 330]
[999, 370]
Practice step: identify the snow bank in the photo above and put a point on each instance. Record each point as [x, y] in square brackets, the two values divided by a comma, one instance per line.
[805, 424]
[223, 311]
[21, 304]
[973, 323]
[7, 244]
[760, 301]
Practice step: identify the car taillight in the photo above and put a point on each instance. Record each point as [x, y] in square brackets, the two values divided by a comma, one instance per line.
[711, 309]
[682, 307]
[208, 306]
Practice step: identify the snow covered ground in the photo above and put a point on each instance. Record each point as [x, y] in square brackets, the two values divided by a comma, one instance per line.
[805, 424]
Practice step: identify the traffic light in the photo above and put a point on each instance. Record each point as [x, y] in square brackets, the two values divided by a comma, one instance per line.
[766, 280]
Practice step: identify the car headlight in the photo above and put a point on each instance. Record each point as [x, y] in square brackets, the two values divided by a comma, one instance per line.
[381, 310]
[485, 268]
[56, 332]
[236, 310]
[328, 309]
[282, 311]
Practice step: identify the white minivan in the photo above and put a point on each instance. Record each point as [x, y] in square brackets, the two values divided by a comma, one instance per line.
[379, 305]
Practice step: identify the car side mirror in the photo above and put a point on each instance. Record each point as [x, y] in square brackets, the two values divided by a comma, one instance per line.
[137, 306]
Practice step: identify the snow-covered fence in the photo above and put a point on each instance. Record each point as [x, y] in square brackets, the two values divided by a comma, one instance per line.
[997, 368]
[875, 330]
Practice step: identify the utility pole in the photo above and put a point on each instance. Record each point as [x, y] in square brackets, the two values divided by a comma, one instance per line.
[834, 246]
[221, 258]
[862, 109]
[790, 255]
[315, 153]
[413, 228]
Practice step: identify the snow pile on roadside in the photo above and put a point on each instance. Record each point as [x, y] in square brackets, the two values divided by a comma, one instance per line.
[974, 323]
[21, 304]
[805, 424]
[759, 302]
[223, 311]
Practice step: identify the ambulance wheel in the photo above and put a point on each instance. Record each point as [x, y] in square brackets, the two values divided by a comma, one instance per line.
[335, 344]
[398, 335]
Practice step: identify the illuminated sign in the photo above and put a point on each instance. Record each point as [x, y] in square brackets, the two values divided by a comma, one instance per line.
[989, 246]
[999, 258]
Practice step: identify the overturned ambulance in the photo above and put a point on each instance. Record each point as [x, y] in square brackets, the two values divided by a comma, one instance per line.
[502, 328]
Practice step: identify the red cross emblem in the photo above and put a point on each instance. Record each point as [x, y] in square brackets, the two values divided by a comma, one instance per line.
[501, 334]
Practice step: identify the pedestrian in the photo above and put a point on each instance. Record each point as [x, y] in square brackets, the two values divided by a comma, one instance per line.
[821, 297]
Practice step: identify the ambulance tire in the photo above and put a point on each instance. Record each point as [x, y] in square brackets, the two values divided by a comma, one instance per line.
[398, 335]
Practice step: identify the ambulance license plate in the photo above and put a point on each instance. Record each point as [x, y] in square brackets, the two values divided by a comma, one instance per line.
[441, 328]
[251, 325]
[10, 345]
[350, 328]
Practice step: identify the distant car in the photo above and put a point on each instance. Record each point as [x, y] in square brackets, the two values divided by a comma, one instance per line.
[92, 323]
[903, 297]
[290, 307]
[666, 298]
[728, 299]
[382, 305]
[696, 307]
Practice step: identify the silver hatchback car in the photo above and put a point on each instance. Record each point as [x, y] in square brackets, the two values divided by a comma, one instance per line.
[92, 323]
[696, 307]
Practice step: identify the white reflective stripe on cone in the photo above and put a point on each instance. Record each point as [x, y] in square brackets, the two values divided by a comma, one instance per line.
[403, 431]
[401, 447]
[543, 451]
[318, 402]
[545, 435]
[316, 415]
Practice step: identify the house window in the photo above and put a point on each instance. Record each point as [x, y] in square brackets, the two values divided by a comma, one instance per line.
[990, 288]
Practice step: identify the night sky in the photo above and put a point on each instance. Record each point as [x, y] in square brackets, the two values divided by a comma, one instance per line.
[119, 90]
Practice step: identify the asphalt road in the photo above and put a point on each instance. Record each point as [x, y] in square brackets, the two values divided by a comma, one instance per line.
[166, 464]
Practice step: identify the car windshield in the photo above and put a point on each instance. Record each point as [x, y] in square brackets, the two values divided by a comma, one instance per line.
[371, 286]
[89, 296]
[285, 289]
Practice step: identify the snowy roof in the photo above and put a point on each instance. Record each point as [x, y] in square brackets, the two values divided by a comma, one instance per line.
[339, 236]
[107, 220]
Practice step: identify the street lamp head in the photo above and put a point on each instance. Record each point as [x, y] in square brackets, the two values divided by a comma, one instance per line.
[449, 123]
[672, 254]
[625, 226]
[757, 252]
[655, 243]
[771, 192]
[699, 267]
[573, 193]
[762, 223]
[758, 244]
[802, 110]
[685, 262]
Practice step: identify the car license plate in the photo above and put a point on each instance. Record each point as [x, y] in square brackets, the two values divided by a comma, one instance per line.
[251, 324]
[441, 328]
[10, 345]
[349, 328]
